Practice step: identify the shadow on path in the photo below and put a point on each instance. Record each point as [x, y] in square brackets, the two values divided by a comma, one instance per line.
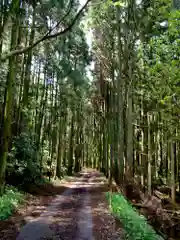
[76, 211]
[61, 219]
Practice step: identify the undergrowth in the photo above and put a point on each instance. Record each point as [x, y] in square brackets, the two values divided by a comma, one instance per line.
[135, 225]
[43, 181]
[10, 201]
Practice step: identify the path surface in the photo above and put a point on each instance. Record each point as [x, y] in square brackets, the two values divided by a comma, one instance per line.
[81, 212]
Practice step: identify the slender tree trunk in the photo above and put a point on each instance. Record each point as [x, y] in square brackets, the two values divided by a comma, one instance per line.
[129, 132]
[27, 75]
[59, 155]
[173, 184]
[120, 104]
[71, 146]
[149, 156]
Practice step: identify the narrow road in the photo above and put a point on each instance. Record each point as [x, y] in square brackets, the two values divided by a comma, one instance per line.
[80, 213]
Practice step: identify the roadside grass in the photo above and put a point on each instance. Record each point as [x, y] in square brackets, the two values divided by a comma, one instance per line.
[10, 201]
[13, 198]
[135, 225]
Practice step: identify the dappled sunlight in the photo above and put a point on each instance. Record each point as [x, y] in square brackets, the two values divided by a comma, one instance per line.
[104, 225]
[80, 212]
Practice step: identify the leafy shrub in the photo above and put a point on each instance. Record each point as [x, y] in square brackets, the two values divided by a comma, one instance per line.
[9, 202]
[135, 225]
[23, 166]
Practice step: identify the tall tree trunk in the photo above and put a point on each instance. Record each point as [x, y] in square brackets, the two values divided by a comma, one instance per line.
[149, 155]
[173, 183]
[62, 129]
[129, 132]
[71, 147]
[120, 103]
[6, 132]
[28, 70]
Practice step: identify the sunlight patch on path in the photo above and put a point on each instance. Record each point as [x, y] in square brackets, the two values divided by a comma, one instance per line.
[39, 227]
[85, 220]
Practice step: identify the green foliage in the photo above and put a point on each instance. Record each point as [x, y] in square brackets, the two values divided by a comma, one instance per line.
[117, 3]
[160, 86]
[43, 181]
[10, 201]
[135, 225]
[23, 164]
[24, 149]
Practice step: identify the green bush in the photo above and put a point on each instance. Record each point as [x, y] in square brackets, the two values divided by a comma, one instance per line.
[9, 202]
[23, 166]
[135, 225]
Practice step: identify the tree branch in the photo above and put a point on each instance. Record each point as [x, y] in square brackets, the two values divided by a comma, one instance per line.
[45, 37]
[70, 5]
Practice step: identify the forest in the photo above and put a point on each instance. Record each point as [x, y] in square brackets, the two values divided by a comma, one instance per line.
[123, 120]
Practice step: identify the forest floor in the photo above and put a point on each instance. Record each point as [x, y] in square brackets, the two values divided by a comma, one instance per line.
[157, 208]
[73, 209]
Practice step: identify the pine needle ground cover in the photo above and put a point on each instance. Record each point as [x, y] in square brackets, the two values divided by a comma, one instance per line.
[136, 226]
[11, 199]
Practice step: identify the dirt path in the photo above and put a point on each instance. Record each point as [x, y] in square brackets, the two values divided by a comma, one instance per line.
[79, 213]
